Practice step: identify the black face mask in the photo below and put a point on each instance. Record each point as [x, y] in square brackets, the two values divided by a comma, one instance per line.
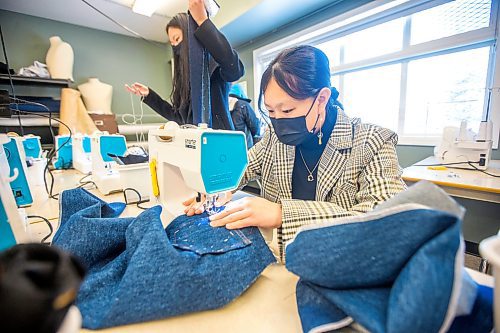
[293, 131]
[177, 48]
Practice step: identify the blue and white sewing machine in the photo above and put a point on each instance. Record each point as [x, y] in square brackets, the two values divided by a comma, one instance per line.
[82, 158]
[35, 160]
[17, 172]
[186, 161]
[104, 174]
[12, 226]
[64, 155]
[109, 176]
[32, 146]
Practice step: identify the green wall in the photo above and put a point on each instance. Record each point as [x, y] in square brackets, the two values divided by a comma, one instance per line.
[114, 59]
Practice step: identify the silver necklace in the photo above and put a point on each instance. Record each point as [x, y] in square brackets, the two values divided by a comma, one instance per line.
[310, 178]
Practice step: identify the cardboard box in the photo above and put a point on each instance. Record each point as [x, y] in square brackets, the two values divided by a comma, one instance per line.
[105, 122]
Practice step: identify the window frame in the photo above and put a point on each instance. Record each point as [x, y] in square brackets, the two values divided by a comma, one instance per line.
[378, 12]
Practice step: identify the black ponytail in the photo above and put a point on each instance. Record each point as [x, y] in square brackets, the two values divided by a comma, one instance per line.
[334, 98]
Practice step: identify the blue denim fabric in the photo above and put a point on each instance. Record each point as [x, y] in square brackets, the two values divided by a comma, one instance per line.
[481, 312]
[138, 271]
[209, 240]
[390, 271]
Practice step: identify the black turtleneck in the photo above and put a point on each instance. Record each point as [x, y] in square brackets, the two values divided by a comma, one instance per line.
[311, 151]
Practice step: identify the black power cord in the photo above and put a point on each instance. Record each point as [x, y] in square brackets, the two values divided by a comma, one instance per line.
[118, 23]
[53, 151]
[86, 183]
[446, 164]
[10, 80]
[470, 163]
[476, 169]
[43, 241]
[82, 182]
[138, 202]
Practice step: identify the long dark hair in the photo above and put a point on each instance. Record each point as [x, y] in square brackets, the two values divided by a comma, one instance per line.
[301, 71]
[180, 95]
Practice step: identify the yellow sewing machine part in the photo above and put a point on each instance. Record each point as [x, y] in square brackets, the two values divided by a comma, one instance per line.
[154, 177]
[437, 167]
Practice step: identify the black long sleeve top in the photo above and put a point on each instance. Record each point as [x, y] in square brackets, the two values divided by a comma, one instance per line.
[245, 120]
[225, 67]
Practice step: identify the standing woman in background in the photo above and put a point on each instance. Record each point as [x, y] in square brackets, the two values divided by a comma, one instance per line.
[224, 67]
[243, 115]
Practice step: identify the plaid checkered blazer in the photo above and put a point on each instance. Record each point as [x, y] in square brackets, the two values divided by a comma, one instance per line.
[358, 168]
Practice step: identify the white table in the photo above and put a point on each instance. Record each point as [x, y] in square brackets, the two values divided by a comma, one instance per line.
[470, 184]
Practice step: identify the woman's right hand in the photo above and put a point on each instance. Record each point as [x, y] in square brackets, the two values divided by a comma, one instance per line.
[198, 11]
[138, 89]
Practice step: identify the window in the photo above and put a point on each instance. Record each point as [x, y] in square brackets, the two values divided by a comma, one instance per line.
[411, 66]
[445, 89]
[366, 43]
[371, 101]
[450, 19]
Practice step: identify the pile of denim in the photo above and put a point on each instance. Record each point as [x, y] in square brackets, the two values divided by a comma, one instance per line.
[396, 269]
[138, 271]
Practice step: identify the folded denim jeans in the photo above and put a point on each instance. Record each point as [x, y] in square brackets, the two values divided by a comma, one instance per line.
[396, 269]
[137, 271]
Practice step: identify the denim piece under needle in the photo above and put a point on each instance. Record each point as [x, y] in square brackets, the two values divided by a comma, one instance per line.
[137, 274]
[183, 230]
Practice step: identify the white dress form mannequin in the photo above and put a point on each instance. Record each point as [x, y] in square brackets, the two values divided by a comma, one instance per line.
[59, 59]
[97, 96]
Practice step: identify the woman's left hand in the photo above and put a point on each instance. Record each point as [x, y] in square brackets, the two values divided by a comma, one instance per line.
[246, 212]
[198, 11]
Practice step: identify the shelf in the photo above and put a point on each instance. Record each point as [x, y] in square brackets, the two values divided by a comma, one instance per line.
[33, 81]
[28, 121]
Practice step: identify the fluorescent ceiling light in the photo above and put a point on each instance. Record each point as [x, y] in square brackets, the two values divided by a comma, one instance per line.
[145, 7]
